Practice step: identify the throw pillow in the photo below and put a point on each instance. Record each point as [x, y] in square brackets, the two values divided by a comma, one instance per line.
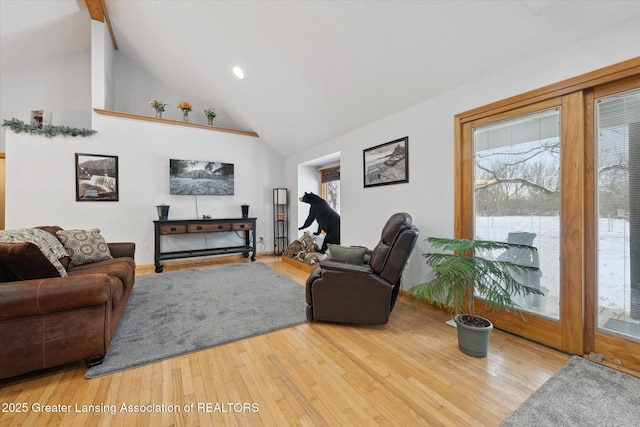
[348, 254]
[84, 246]
[51, 229]
[47, 244]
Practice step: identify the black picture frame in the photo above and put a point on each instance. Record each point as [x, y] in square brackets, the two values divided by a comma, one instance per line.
[96, 178]
[387, 163]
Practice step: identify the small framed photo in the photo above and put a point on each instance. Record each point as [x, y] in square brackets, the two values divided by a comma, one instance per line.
[96, 178]
[386, 163]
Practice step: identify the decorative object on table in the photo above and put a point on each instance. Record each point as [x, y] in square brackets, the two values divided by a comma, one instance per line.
[245, 211]
[386, 163]
[463, 275]
[186, 108]
[163, 212]
[280, 225]
[19, 126]
[41, 118]
[211, 114]
[158, 106]
[194, 177]
[96, 177]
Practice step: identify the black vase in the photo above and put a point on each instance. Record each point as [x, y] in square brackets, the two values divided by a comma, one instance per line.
[163, 212]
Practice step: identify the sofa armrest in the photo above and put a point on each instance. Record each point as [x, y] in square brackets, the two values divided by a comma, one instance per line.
[122, 249]
[41, 296]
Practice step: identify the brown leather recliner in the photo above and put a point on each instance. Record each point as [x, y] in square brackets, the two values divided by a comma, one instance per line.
[365, 293]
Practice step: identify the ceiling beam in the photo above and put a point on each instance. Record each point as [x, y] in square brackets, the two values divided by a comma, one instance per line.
[98, 12]
[95, 9]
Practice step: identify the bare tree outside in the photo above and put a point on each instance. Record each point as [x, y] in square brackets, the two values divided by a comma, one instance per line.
[517, 198]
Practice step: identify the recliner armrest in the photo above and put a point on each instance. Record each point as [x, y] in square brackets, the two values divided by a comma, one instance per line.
[343, 266]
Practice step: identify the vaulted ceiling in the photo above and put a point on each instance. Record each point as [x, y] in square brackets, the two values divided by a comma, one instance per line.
[313, 69]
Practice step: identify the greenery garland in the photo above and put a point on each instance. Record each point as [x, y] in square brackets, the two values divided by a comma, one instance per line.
[49, 131]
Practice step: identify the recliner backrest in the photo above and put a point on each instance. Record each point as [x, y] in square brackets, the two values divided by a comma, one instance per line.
[397, 240]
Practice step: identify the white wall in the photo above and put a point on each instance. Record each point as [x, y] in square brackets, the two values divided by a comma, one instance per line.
[102, 67]
[59, 85]
[428, 196]
[308, 181]
[135, 87]
[41, 185]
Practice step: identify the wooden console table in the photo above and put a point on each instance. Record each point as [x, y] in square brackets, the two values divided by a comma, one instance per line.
[189, 226]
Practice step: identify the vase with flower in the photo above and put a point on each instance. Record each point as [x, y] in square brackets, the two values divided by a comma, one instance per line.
[211, 114]
[186, 107]
[158, 106]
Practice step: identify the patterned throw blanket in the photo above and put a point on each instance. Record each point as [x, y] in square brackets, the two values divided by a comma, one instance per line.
[48, 244]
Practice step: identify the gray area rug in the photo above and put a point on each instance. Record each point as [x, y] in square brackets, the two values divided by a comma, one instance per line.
[175, 313]
[582, 393]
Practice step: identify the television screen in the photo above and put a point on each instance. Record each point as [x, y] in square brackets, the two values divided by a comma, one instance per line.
[193, 177]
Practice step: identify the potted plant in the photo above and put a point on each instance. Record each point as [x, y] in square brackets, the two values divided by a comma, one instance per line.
[210, 113]
[158, 106]
[186, 108]
[465, 273]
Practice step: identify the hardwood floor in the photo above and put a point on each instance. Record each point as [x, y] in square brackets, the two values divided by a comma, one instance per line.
[406, 373]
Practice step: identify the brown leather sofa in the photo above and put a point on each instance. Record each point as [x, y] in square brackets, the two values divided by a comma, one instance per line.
[363, 293]
[48, 321]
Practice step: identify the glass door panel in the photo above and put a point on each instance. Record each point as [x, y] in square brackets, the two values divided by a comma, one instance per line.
[517, 198]
[617, 139]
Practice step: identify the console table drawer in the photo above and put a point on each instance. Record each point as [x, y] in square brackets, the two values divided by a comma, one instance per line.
[208, 228]
[241, 226]
[173, 229]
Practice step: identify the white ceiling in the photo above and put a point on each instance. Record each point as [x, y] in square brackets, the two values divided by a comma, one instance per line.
[313, 69]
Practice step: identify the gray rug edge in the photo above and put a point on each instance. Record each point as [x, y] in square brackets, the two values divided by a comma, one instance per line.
[162, 359]
[95, 372]
[515, 418]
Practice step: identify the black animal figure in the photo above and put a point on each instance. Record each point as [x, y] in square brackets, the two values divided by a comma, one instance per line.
[328, 220]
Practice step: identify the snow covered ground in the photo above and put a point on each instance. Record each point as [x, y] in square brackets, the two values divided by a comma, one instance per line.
[613, 269]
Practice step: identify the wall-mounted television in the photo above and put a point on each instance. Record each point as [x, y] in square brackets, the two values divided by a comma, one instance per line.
[196, 177]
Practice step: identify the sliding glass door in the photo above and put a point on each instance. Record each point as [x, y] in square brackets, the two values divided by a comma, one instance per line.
[517, 198]
[559, 169]
[516, 192]
[617, 225]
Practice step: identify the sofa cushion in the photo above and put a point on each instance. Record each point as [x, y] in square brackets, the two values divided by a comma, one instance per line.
[120, 268]
[24, 261]
[84, 246]
[48, 245]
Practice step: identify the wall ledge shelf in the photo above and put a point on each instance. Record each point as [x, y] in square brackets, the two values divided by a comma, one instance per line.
[172, 122]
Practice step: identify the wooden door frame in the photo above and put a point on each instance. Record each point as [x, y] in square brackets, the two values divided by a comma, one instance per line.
[3, 198]
[575, 333]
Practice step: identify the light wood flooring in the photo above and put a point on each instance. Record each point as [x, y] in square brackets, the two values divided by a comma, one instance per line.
[406, 373]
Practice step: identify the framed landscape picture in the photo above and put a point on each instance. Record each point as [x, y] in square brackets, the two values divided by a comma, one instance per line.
[386, 163]
[96, 178]
[196, 177]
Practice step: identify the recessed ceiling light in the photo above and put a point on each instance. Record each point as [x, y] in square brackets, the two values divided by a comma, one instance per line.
[238, 72]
